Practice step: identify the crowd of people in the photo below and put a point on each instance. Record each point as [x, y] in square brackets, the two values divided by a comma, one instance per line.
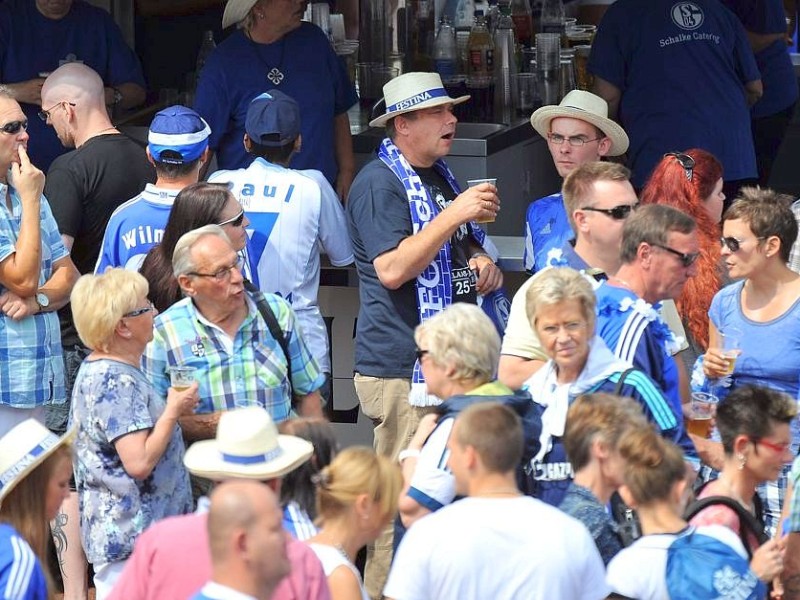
[165, 366]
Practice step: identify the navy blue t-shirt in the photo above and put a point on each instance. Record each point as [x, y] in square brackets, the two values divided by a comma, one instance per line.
[378, 219]
[681, 71]
[774, 62]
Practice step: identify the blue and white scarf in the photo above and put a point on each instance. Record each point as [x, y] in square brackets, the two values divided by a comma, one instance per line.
[434, 284]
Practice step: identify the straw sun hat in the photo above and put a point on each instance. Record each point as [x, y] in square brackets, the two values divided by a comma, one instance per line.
[585, 106]
[413, 91]
[23, 449]
[248, 446]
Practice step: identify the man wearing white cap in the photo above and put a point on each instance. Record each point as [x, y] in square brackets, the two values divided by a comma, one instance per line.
[177, 148]
[577, 131]
[247, 447]
[417, 250]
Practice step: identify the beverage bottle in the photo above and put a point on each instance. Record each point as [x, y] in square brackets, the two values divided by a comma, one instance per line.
[552, 20]
[523, 21]
[206, 48]
[463, 24]
[422, 37]
[480, 73]
[445, 53]
[505, 67]
[492, 16]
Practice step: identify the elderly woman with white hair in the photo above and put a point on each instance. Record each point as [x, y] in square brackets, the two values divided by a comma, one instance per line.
[458, 351]
[129, 449]
[561, 308]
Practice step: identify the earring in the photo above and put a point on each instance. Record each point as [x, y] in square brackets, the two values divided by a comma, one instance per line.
[742, 460]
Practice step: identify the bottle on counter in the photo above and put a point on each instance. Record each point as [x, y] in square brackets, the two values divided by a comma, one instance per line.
[463, 24]
[206, 48]
[523, 21]
[552, 19]
[422, 35]
[505, 67]
[492, 16]
[445, 51]
[480, 72]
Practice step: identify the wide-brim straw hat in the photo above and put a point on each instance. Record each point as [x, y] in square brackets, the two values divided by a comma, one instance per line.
[413, 91]
[23, 449]
[579, 104]
[247, 446]
[236, 11]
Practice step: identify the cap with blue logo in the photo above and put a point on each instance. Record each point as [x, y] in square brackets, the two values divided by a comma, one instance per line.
[273, 113]
[413, 91]
[180, 130]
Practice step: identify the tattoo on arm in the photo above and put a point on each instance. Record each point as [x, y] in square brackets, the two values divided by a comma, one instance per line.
[60, 538]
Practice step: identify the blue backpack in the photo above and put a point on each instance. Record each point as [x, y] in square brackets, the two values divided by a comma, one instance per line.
[700, 567]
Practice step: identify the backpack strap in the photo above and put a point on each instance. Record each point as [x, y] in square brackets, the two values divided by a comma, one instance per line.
[274, 328]
[747, 521]
[623, 375]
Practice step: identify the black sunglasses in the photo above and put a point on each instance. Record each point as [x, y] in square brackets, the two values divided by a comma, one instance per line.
[420, 353]
[618, 213]
[235, 221]
[13, 127]
[687, 162]
[687, 260]
[732, 243]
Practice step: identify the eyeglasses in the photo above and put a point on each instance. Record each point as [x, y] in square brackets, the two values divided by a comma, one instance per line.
[234, 221]
[687, 260]
[420, 353]
[576, 141]
[45, 114]
[779, 448]
[687, 162]
[13, 127]
[618, 213]
[223, 274]
[733, 244]
[140, 311]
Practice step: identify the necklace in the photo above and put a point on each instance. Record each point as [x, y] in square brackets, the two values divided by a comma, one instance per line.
[623, 282]
[274, 74]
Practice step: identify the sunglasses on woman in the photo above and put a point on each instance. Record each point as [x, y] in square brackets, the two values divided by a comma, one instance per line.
[234, 221]
[687, 162]
[733, 244]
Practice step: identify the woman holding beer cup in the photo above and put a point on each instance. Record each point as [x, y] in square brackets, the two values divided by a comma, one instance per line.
[129, 449]
[753, 423]
[764, 305]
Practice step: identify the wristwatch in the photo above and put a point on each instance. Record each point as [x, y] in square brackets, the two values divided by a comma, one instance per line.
[42, 301]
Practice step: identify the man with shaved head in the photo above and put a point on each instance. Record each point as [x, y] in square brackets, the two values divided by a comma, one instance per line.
[84, 187]
[247, 542]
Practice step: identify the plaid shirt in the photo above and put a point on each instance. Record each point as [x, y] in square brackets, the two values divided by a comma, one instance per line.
[254, 373]
[31, 364]
[793, 526]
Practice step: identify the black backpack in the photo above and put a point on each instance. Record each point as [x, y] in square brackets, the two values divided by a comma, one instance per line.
[748, 523]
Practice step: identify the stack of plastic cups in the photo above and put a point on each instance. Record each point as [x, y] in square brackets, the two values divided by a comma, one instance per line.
[548, 63]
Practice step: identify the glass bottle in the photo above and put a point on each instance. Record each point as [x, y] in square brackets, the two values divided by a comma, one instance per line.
[523, 21]
[480, 73]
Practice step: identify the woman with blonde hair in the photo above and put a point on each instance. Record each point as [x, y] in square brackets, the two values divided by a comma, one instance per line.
[129, 448]
[655, 485]
[356, 498]
[35, 469]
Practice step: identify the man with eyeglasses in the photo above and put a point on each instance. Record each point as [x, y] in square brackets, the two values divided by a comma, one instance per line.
[659, 249]
[36, 278]
[294, 215]
[177, 148]
[577, 131]
[220, 330]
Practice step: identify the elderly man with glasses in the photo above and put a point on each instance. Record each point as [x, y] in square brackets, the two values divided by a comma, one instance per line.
[225, 333]
[36, 277]
[659, 249]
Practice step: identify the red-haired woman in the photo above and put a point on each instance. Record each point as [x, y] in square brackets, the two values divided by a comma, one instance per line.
[691, 181]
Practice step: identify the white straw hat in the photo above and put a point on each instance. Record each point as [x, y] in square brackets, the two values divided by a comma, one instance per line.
[236, 11]
[413, 91]
[23, 449]
[247, 446]
[579, 104]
